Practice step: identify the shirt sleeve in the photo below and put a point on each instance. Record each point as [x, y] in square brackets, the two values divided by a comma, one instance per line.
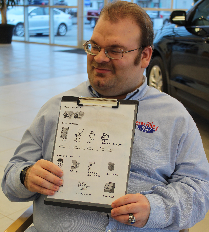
[27, 153]
[184, 201]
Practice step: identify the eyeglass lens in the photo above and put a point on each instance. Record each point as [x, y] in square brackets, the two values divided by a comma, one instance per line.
[111, 52]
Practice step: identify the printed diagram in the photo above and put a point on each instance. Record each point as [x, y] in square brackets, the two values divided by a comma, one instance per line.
[109, 187]
[60, 162]
[105, 137]
[91, 137]
[111, 166]
[64, 132]
[91, 171]
[82, 185]
[78, 136]
[70, 114]
[74, 166]
[83, 137]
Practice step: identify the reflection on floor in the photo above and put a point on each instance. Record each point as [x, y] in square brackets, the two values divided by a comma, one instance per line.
[30, 75]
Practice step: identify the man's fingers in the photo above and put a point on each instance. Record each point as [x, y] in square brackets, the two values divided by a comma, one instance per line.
[42, 178]
[125, 209]
[44, 183]
[36, 188]
[46, 175]
[127, 199]
[51, 167]
[136, 204]
[140, 222]
[124, 218]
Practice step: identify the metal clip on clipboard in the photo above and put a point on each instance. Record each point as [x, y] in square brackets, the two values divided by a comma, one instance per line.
[90, 101]
[104, 102]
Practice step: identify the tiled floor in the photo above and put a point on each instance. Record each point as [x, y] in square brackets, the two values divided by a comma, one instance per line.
[30, 75]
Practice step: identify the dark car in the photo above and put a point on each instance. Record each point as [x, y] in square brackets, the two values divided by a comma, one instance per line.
[38, 2]
[180, 62]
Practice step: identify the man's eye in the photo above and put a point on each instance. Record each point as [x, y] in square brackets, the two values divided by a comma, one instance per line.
[95, 48]
[115, 51]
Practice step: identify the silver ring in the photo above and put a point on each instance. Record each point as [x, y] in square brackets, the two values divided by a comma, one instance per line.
[131, 219]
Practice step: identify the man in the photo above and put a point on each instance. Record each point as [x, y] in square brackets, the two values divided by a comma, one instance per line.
[168, 187]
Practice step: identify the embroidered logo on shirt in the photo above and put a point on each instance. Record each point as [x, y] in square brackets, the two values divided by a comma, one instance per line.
[146, 127]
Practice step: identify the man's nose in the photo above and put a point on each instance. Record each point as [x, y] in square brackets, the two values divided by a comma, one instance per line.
[101, 57]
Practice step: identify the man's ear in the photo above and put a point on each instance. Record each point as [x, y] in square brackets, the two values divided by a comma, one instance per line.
[146, 56]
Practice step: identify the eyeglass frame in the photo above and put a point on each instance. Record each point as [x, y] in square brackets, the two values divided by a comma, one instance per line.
[106, 53]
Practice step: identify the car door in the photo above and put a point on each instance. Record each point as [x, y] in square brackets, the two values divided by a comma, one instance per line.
[190, 61]
[38, 21]
[57, 20]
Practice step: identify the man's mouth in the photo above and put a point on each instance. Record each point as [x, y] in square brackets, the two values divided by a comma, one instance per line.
[102, 70]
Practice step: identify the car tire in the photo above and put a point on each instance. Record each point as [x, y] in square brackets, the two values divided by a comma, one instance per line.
[156, 76]
[19, 29]
[62, 29]
[93, 23]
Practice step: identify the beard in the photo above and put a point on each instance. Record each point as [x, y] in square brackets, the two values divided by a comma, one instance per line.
[101, 80]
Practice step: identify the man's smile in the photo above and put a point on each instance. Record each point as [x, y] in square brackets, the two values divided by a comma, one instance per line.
[102, 70]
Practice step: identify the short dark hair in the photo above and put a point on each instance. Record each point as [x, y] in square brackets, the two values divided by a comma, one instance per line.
[121, 9]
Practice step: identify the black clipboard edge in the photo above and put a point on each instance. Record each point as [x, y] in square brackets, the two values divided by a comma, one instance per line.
[128, 102]
[133, 135]
[78, 205]
[121, 101]
[70, 98]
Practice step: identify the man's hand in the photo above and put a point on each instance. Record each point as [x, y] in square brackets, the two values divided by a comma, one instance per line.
[137, 204]
[43, 177]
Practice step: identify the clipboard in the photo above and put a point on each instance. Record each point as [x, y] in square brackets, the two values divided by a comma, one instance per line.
[93, 147]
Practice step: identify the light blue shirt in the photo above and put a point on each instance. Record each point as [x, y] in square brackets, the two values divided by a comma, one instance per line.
[168, 166]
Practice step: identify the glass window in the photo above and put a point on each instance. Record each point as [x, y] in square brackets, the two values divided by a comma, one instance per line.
[38, 2]
[38, 23]
[65, 2]
[15, 16]
[37, 11]
[183, 4]
[38, 18]
[91, 14]
[46, 10]
[56, 12]
[15, 11]
[154, 3]
[65, 27]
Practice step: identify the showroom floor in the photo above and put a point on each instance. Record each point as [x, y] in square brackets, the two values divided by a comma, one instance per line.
[30, 75]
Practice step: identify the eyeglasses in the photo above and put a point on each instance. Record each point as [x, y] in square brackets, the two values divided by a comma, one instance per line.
[115, 53]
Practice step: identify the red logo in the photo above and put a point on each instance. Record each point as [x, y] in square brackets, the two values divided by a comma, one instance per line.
[148, 127]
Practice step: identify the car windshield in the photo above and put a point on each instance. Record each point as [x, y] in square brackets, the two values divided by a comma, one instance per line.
[16, 11]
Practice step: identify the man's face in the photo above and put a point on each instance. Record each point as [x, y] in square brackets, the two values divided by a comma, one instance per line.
[109, 77]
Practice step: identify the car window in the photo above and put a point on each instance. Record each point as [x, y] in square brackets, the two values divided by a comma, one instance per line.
[38, 11]
[56, 12]
[201, 16]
